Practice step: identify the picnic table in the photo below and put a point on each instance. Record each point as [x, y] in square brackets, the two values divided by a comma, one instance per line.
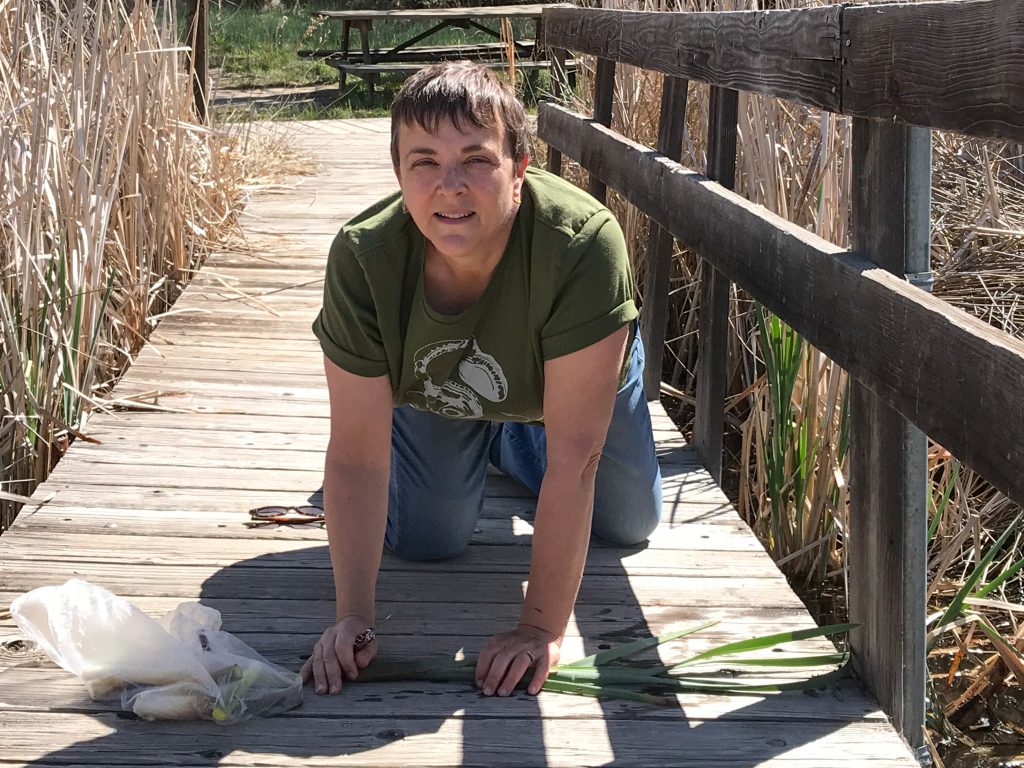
[408, 55]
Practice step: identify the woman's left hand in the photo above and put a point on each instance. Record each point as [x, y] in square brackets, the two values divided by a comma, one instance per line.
[507, 657]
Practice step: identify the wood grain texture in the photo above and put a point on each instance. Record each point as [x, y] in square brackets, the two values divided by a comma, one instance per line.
[888, 455]
[956, 65]
[340, 737]
[47, 687]
[790, 54]
[654, 314]
[604, 100]
[913, 350]
[437, 14]
[715, 289]
[953, 65]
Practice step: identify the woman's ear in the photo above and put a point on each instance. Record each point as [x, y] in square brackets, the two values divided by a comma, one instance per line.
[521, 173]
[398, 174]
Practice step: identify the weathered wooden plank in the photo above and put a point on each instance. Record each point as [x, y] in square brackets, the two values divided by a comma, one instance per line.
[599, 624]
[145, 454]
[713, 313]
[913, 350]
[290, 649]
[888, 455]
[654, 314]
[127, 485]
[306, 379]
[953, 65]
[559, 86]
[688, 498]
[50, 689]
[241, 580]
[434, 14]
[158, 548]
[792, 54]
[880, 61]
[331, 740]
[186, 398]
[186, 393]
[504, 522]
[120, 432]
[604, 99]
[270, 423]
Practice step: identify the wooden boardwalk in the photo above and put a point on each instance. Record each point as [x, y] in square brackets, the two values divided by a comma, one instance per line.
[156, 513]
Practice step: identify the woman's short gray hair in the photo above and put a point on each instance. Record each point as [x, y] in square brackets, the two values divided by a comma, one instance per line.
[460, 91]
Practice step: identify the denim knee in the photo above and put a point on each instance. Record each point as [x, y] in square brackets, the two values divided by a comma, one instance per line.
[627, 509]
[436, 488]
[429, 542]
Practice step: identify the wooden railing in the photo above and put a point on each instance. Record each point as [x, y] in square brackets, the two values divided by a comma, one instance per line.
[921, 367]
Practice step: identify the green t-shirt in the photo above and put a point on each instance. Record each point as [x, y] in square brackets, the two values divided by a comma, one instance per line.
[563, 283]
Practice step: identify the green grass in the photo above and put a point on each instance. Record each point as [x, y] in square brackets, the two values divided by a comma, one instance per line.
[253, 48]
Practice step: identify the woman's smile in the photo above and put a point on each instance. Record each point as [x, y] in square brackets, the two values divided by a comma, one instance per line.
[454, 218]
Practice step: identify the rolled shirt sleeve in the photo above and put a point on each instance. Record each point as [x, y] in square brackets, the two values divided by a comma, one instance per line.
[596, 296]
[348, 326]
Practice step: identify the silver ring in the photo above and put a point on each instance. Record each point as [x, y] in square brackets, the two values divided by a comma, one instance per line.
[533, 659]
[364, 638]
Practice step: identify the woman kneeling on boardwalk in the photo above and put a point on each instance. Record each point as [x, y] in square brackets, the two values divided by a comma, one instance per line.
[483, 314]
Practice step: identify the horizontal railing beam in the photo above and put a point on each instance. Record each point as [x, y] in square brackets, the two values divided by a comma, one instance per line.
[790, 54]
[956, 65]
[952, 375]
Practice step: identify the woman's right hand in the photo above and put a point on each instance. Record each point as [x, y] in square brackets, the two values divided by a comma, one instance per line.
[334, 657]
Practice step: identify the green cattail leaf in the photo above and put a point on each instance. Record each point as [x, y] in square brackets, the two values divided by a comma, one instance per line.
[1002, 578]
[954, 608]
[735, 688]
[607, 692]
[767, 641]
[793, 661]
[628, 649]
[609, 675]
[427, 670]
[940, 507]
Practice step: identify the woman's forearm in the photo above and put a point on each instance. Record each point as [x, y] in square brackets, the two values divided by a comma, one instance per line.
[355, 504]
[561, 536]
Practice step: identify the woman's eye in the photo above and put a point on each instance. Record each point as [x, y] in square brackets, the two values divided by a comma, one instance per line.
[422, 163]
[479, 160]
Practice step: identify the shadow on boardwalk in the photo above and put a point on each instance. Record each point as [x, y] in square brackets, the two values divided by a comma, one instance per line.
[415, 723]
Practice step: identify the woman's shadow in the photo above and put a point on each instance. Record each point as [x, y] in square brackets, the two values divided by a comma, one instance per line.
[279, 604]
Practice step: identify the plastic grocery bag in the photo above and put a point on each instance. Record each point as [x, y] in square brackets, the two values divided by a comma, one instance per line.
[181, 668]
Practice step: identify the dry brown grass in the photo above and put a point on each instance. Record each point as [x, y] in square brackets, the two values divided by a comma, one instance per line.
[110, 196]
[794, 160]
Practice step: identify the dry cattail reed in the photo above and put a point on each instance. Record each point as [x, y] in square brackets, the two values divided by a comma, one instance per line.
[794, 160]
[110, 197]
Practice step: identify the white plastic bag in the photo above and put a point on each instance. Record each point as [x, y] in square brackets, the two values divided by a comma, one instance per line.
[182, 668]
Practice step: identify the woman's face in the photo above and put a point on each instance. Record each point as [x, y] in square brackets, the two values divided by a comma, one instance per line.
[460, 186]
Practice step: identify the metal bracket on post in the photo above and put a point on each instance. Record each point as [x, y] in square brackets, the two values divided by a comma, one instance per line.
[889, 455]
[922, 280]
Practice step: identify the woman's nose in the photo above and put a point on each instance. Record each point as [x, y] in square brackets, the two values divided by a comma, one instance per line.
[453, 179]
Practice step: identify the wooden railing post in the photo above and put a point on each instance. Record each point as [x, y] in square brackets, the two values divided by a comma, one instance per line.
[713, 318]
[671, 132]
[887, 535]
[604, 95]
[559, 85]
[199, 57]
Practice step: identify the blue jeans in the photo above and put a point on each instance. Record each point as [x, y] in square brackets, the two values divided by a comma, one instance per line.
[439, 467]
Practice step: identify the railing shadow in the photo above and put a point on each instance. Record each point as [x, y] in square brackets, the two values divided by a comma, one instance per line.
[283, 600]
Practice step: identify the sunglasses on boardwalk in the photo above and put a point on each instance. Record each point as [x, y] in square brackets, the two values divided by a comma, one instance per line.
[285, 515]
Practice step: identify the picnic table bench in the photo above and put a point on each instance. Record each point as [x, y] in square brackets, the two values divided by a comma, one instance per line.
[405, 57]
